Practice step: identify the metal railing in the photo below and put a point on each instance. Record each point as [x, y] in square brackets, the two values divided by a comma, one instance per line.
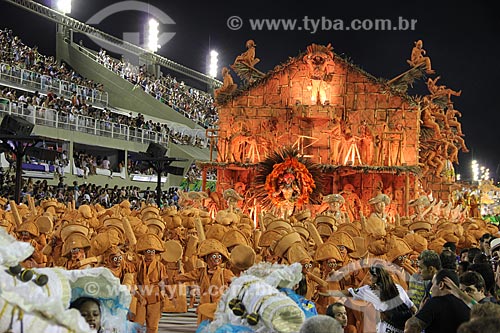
[46, 83]
[64, 120]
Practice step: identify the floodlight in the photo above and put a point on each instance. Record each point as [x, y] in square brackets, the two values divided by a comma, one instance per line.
[64, 6]
[152, 42]
[212, 68]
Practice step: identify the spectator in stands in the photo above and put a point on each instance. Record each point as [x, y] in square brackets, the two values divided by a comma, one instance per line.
[462, 267]
[444, 312]
[321, 324]
[464, 254]
[448, 259]
[105, 164]
[486, 324]
[485, 268]
[428, 263]
[338, 312]
[484, 244]
[471, 254]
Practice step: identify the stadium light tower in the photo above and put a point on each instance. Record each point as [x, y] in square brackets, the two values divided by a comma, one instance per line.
[475, 171]
[152, 42]
[64, 6]
[213, 68]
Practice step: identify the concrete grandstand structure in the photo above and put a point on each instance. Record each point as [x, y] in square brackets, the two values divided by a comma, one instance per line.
[106, 130]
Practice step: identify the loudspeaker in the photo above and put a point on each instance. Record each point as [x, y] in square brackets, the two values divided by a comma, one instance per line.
[16, 125]
[156, 150]
[42, 153]
[176, 171]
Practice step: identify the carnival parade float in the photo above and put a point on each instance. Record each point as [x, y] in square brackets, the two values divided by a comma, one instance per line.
[322, 171]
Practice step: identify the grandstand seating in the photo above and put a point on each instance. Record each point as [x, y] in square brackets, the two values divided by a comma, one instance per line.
[100, 118]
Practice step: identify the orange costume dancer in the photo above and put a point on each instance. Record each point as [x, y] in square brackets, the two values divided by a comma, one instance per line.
[75, 246]
[329, 258]
[28, 232]
[176, 292]
[151, 277]
[212, 278]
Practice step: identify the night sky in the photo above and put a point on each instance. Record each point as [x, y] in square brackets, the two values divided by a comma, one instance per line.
[460, 40]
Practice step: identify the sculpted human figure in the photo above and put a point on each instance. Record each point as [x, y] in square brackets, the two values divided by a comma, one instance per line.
[350, 152]
[421, 207]
[442, 90]
[438, 113]
[418, 57]
[450, 149]
[231, 214]
[317, 59]
[376, 223]
[228, 85]
[366, 143]
[435, 161]
[248, 57]
[335, 203]
[393, 143]
[352, 202]
[335, 133]
[429, 121]
[451, 118]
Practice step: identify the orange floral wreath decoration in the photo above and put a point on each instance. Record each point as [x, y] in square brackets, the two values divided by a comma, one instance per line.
[302, 175]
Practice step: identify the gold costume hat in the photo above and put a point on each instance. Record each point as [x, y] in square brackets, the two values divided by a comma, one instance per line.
[399, 247]
[327, 251]
[285, 242]
[74, 241]
[173, 251]
[29, 227]
[234, 237]
[209, 246]
[150, 242]
[242, 257]
[380, 198]
[343, 238]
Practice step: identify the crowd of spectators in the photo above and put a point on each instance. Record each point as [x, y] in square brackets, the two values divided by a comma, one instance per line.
[85, 193]
[450, 287]
[74, 113]
[15, 55]
[445, 297]
[192, 103]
